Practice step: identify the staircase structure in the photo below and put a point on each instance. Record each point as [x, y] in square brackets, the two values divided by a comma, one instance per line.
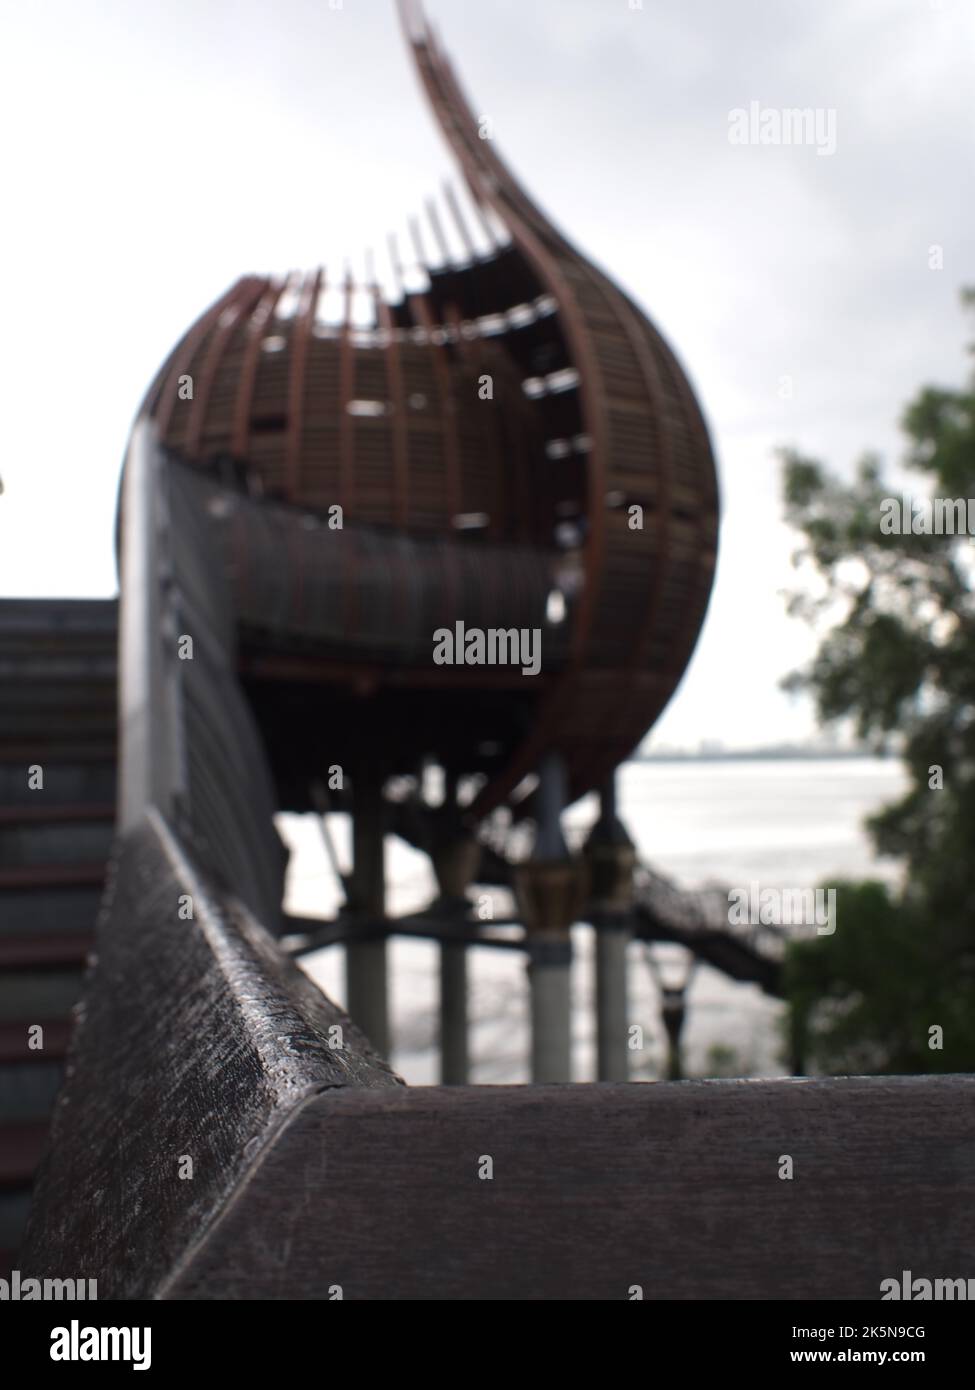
[58, 694]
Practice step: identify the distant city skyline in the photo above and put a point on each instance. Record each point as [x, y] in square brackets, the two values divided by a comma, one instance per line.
[820, 746]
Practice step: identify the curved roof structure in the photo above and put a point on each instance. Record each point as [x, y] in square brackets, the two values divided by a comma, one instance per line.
[518, 402]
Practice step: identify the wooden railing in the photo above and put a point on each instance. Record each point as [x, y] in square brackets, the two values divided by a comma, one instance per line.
[188, 745]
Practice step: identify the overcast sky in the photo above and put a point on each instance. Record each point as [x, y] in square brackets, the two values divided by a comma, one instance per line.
[154, 150]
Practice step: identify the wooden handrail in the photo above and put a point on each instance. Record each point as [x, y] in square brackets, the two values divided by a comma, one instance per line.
[200, 1043]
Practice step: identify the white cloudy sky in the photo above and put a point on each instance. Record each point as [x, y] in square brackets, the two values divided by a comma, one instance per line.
[155, 150]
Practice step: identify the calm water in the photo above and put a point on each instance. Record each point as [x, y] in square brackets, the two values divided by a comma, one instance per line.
[781, 824]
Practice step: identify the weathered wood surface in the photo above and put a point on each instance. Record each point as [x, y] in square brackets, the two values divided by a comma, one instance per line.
[314, 1170]
[672, 1187]
[199, 1040]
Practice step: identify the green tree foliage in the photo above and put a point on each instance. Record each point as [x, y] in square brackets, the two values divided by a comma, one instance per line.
[896, 616]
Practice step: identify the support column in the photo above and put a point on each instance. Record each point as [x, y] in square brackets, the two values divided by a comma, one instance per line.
[455, 864]
[612, 1003]
[550, 977]
[454, 1053]
[612, 858]
[551, 889]
[366, 970]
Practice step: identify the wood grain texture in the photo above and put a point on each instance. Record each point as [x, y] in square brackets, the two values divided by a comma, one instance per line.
[314, 1170]
[198, 1038]
[673, 1187]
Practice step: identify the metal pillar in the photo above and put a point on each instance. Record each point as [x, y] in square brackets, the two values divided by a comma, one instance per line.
[455, 862]
[454, 1052]
[612, 1003]
[366, 973]
[611, 857]
[551, 888]
[550, 976]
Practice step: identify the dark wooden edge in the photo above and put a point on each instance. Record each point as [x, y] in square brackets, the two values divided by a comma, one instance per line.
[597, 1191]
[198, 1038]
